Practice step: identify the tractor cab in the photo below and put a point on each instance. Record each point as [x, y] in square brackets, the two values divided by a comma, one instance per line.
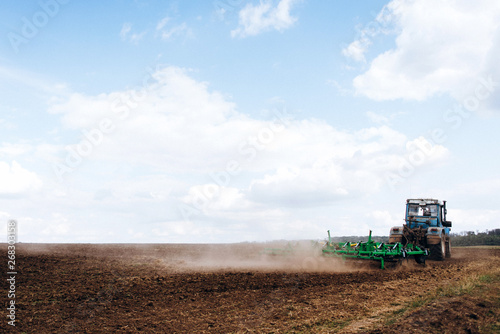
[426, 213]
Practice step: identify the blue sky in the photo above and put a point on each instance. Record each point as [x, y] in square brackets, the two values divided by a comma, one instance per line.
[232, 120]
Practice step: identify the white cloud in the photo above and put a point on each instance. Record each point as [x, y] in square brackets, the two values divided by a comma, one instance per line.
[341, 90]
[383, 219]
[377, 118]
[59, 226]
[254, 20]
[213, 199]
[15, 180]
[483, 191]
[381, 24]
[162, 23]
[473, 219]
[293, 187]
[125, 30]
[9, 149]
[32, 80]
[356, 50]
[127, 35]
[431, 153]
[441, 47]
[342, 165]
[167, 31]
[179, 122]
[180, 29]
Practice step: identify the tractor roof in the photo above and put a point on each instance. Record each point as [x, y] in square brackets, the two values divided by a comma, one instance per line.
[422, 201]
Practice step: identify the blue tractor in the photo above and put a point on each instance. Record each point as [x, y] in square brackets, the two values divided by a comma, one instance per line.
[425, 226]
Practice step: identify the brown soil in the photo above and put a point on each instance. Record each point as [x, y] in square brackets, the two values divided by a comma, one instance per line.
[233, 289]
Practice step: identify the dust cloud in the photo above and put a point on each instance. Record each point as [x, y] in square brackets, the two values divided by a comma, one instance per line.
[300, 257]
[293, 256]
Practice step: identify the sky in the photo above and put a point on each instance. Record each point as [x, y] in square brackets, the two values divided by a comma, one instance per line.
[230, 120]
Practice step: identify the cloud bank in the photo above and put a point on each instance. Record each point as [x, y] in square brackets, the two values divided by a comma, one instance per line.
[442, 46]
[177, 143]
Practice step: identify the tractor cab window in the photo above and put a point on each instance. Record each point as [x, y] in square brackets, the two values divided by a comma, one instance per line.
[432, 210]
[413, 210]
[423, 211]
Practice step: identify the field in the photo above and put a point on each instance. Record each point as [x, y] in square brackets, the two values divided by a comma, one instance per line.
[231, 288]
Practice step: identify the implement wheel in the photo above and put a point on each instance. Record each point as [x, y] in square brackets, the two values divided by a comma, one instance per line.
[438, 251]
[420, 259]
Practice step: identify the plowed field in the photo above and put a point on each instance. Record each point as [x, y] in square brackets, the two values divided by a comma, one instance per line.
[234, 289]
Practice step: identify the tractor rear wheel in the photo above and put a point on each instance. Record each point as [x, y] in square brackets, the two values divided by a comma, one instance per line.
[448, 248]
[438, 251]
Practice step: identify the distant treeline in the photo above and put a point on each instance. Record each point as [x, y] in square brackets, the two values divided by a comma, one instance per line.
[471, 238]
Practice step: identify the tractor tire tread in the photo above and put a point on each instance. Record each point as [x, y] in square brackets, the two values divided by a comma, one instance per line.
[437, 252]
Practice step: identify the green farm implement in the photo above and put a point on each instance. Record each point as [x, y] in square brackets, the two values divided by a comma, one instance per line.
[377, 251]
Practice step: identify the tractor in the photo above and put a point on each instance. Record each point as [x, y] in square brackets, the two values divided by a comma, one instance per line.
[425, 234]
[426, 226]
